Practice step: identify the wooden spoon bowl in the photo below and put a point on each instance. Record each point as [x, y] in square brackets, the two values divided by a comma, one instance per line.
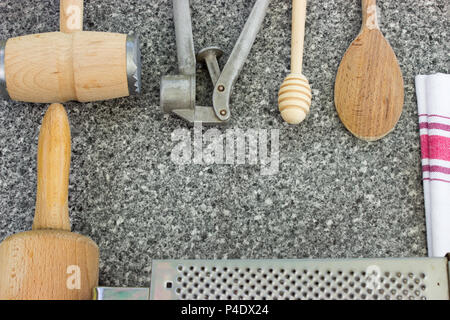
[369, 92]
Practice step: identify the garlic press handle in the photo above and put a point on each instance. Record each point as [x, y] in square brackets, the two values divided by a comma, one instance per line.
[225, 84]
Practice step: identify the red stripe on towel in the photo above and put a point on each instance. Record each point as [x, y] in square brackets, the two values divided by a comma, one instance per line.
[438, 147]
[424, 143]
[436, 169]
[440, 126]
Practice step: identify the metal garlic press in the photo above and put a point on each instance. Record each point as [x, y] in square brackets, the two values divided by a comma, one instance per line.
[178, 91]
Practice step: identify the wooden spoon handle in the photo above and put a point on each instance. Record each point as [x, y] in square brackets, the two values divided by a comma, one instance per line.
[53, 171]
[298, 35]
[369, 11]
[71, 16]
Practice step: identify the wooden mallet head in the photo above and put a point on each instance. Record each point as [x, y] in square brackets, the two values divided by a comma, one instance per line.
[294, 98]
[70, 65]
[50, 262]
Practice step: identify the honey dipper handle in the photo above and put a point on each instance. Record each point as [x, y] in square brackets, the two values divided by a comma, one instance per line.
[71, 16]
[53, 165]
[298, 34]
[369, 12]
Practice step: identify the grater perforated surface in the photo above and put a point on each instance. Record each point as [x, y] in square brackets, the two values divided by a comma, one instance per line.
[379, 279]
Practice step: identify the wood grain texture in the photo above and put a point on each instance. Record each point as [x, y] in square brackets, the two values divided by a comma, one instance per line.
[36, 265]
[369, 14]
[100, 65]
[294, 98]
[71, 16]
[50, 263]
[52, 211]
[59, 67]
[369, 90]
[298, 35]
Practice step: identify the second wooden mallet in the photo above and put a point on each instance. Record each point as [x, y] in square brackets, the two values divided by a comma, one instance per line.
[294, 99]
[50, 262]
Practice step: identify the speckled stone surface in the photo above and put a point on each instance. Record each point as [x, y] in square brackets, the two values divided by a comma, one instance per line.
[334, 197]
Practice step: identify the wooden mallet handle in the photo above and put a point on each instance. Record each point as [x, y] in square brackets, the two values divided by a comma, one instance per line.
[53, 171]
[71, 16]
[52, 207]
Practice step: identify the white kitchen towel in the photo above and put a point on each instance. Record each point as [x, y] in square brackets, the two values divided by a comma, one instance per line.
[433, 98]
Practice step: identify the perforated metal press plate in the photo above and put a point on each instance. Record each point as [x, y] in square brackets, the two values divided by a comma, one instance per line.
[379, 279]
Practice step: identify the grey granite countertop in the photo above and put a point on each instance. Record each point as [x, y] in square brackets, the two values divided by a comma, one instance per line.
[334, 196]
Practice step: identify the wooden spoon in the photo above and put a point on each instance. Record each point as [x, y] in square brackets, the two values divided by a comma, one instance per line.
[369, 92]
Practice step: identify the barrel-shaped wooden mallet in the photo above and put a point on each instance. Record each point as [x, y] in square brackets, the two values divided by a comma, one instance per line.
[50, 262]
[70, 65]
[294, 98]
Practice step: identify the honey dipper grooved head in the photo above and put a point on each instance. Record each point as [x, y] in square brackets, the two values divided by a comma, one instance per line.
[294, 98]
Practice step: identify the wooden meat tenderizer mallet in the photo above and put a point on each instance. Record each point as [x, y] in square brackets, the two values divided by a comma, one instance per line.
[50, 262]
[294, 98]
[369, 91]
[71, 65]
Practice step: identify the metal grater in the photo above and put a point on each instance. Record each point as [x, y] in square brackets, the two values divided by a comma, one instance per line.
[359, 279]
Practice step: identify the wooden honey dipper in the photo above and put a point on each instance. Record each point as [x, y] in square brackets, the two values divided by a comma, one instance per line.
[50, 262]
[294, 98]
